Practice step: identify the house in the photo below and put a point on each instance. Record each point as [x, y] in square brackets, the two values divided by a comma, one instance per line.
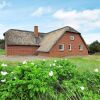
[62, 42]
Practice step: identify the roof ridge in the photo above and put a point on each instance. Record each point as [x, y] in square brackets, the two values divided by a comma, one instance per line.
[20, 30]
[24, 30]
[58, 29]
[63, 28]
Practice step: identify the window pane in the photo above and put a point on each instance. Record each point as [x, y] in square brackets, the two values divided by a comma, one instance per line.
[71, 37]
[69, 47]
[61, 47]
[80, 47]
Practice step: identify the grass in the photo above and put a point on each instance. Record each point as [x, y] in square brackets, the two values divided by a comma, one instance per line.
[2, 51]
[87, 63]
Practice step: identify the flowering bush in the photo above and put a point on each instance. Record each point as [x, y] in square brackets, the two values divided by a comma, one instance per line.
[48, 80]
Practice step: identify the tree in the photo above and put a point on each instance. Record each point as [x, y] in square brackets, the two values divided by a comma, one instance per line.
[95, 46]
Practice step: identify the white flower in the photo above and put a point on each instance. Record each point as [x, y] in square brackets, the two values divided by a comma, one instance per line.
[82, 88]
[15, 78]
[24, 62]
[54, 64]
[4, 73]
[50, 65]
[3, 80]
[44, 60]
[96, 70]
[32, 63]
[51, 73]
[55, 61]
[59, 66]
[3, 65]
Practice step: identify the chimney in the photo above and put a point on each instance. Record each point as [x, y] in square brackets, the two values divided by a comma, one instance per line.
[36, 33]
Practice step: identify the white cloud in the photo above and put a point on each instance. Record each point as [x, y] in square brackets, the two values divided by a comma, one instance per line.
[86, 19]
[41, 10]
[3, 4]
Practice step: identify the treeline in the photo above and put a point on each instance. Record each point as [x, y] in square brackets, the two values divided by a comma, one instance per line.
[2, 44]
[94, 47]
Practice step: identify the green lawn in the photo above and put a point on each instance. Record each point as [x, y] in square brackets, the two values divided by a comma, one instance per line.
[87, 63]
[2, 51]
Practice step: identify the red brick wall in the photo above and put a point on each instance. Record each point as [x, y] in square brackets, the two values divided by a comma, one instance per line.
[21, 50]
[65, 39]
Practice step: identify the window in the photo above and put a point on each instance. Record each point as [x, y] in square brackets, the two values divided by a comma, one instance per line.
[72, 37]
[81, 47]
[69, 47]
[61, 47]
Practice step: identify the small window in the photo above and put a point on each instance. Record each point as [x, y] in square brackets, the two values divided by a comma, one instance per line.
[69, 47]
[61, 47]
[72, 37]
[80, 47]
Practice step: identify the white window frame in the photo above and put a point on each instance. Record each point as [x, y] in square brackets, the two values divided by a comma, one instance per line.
[72, 37]
[80, 47]
[69, 47]
[62, 49]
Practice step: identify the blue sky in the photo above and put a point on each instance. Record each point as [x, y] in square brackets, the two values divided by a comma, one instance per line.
[83, 15]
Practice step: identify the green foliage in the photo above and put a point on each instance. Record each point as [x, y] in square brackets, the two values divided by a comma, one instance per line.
[48, 80]
[95, 46]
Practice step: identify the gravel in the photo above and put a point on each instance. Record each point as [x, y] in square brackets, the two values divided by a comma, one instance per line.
[20, 58]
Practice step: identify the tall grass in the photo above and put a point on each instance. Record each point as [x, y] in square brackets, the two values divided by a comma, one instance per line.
[2, 51]
[88, 63]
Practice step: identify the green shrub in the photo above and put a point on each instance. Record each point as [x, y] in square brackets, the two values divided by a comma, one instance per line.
[48, 80]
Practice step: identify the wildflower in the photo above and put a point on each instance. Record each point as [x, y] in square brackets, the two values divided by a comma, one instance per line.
[54, 64]
[24, 62]
[3, 65]
[3, 80]
[50, 65]
[82, 88]
[32, 63]
[15, 78]
[44, 60]
[59, 66]
[96, 70]
[4, 73]
[55, 61]
[51, 73]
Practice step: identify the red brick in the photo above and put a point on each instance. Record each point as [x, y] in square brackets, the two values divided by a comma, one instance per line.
[65, 39]
[21, 50]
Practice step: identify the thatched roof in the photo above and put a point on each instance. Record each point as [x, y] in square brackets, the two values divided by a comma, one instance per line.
[49, 41]
[21, 37]
[46, 40]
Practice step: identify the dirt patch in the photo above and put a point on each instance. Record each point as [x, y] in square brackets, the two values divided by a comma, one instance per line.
[20, 58]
